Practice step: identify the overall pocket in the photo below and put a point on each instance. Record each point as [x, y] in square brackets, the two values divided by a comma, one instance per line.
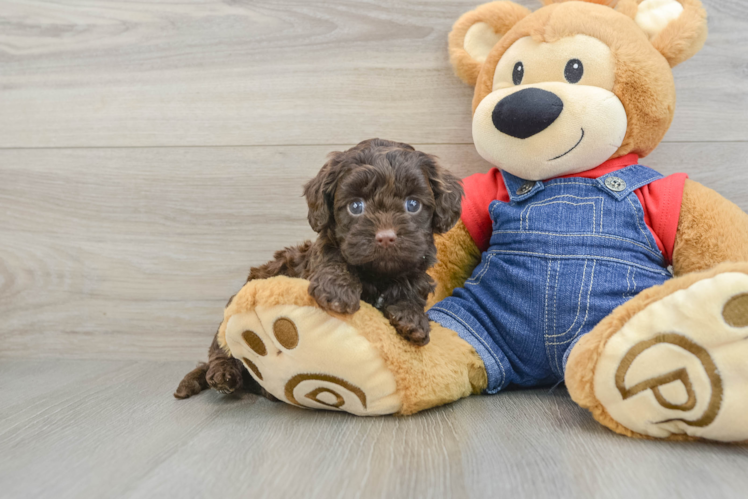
[564, 213]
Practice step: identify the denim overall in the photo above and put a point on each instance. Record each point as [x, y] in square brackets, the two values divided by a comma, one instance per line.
[563, 254]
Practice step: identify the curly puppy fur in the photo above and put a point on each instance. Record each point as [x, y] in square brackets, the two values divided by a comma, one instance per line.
[376, 208]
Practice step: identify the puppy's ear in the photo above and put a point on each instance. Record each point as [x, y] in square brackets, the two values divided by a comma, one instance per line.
[320, 193]
[447, 189]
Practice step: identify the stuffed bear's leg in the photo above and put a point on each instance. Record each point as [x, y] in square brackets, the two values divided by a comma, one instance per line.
[672, 362]
[310, 358]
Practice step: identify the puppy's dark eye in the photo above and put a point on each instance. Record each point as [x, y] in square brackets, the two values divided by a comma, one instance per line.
[518, 73]
[356, 207]
[573, 71]
[412, 205]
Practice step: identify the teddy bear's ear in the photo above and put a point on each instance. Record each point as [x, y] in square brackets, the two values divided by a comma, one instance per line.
[676, 28]
[476, 32]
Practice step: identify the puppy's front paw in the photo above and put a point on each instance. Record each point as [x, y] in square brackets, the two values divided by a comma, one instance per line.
[224, 376]
[335, 297]
[413, 326]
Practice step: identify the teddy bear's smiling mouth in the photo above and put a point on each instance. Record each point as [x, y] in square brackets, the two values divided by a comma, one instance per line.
[572, 149]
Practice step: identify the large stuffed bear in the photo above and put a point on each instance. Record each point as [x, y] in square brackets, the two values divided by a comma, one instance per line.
[572, 262]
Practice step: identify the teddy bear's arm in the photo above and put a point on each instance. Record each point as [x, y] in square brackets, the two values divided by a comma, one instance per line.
[457, 256]
[711, 230]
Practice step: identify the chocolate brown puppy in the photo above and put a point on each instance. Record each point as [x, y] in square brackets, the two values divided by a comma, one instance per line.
[376, 208]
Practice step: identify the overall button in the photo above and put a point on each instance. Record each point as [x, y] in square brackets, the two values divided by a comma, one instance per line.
[525, 188]
[615, 183]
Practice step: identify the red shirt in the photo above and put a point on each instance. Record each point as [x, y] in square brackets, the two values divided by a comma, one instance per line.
[660, 199]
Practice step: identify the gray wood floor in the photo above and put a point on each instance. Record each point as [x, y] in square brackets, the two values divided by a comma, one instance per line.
[150, 152]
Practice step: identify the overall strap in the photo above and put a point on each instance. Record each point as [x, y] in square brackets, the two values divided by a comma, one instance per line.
[520, 189]
[621, 183]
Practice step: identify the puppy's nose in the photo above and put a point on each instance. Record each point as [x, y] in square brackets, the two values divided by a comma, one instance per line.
[385, 237]
[527, 112]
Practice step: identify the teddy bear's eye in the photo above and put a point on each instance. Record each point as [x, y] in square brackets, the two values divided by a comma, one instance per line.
[518, 73]
[573, 71]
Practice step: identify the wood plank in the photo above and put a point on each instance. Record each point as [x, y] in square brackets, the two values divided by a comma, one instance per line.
[132, 253]
[91, 436]
[118, 73]
[119, 433]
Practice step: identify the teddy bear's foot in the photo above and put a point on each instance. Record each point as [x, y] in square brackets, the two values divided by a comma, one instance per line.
[312, 358]
[305, 357]
[673, 362]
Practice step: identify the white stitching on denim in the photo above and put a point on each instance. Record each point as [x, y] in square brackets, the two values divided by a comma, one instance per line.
[591, 184]
[579, 304]
[555, 296]
[636, 218]
[478, 337]
[628, 283]
[657, 254]
[586, 315]
[545, 308]
[644, 183]
[522, 214]
[579, 257]
[482, 273]
[587, 311]
[547, 286]
[594, 211]
[602, 214]
[596, 183]
[526, 211]
[589, 292]
[633, 278]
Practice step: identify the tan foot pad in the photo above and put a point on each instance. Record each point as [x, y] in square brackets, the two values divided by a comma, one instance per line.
[305, 357]
[680, 366]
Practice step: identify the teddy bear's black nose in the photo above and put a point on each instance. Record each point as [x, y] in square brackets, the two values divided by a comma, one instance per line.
[527, 112]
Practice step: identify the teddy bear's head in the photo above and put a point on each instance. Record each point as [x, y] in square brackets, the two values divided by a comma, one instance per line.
[562, 89]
